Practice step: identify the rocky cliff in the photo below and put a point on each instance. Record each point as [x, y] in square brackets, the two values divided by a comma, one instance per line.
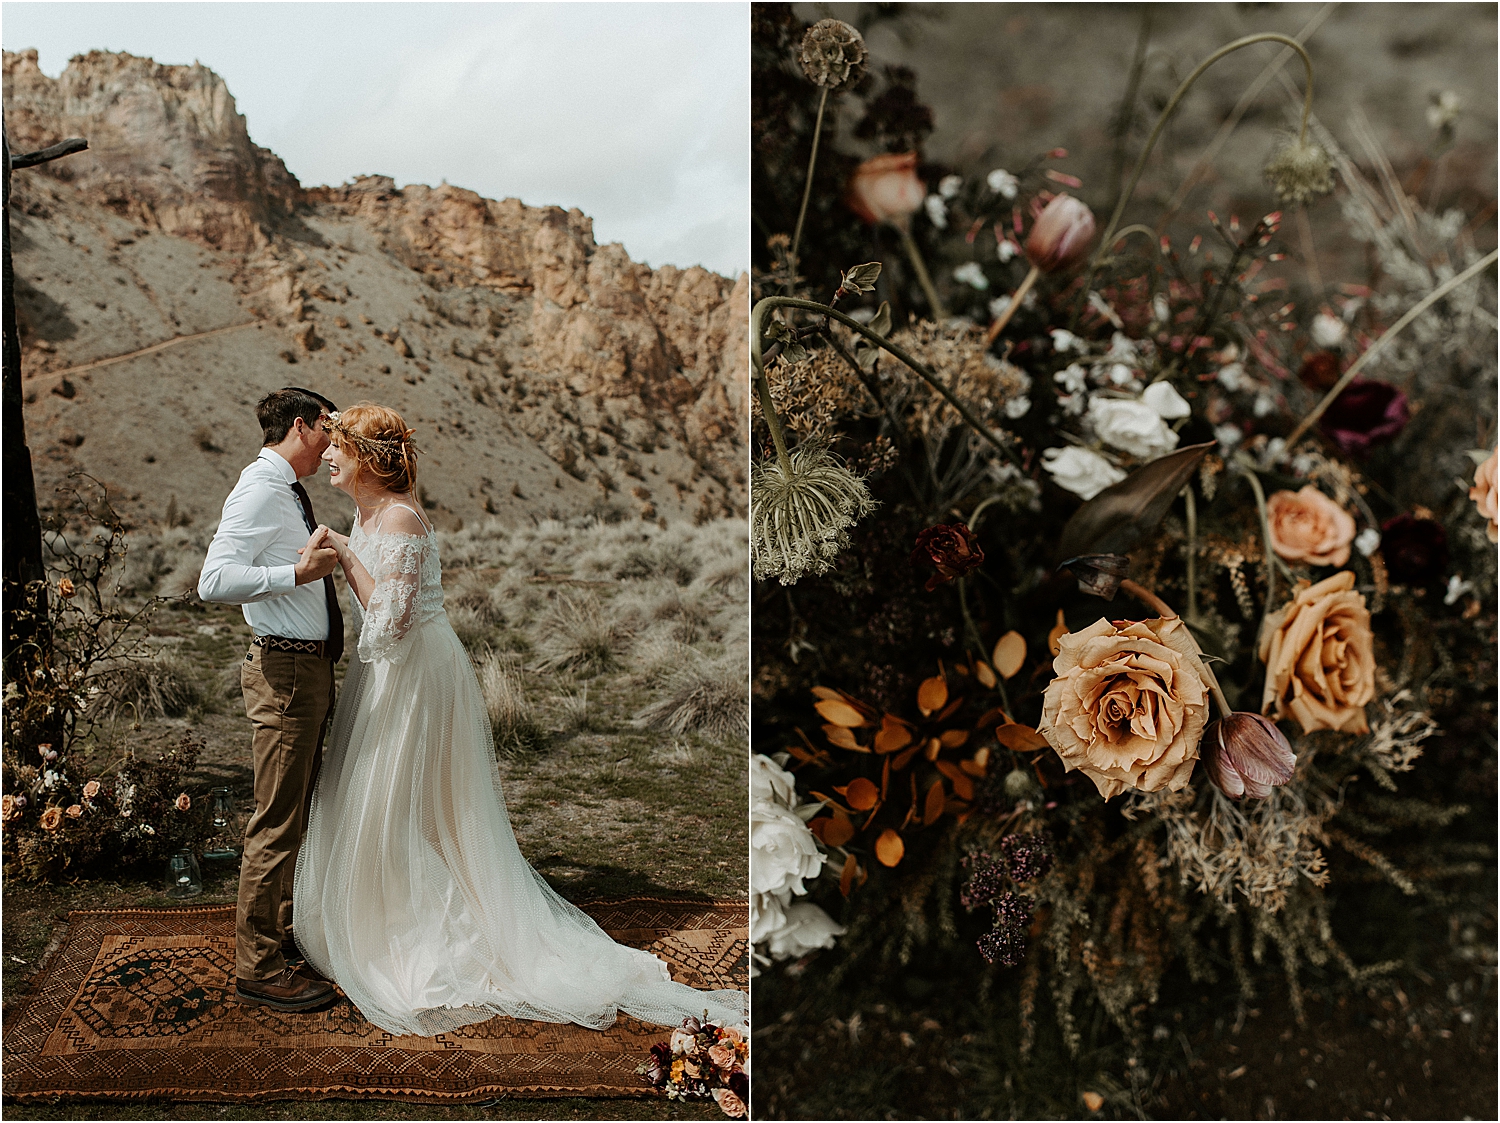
[176, 271]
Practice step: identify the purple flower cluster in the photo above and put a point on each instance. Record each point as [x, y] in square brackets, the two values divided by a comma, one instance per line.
[1005, 943]
[1027, 856]
[986, 880]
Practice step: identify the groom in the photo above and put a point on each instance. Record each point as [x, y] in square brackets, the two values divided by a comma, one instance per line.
[262, 558]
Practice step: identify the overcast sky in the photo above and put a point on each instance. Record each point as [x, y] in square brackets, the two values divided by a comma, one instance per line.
[637, 114]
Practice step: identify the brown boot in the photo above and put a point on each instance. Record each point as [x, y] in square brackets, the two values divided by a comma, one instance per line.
[286, 991]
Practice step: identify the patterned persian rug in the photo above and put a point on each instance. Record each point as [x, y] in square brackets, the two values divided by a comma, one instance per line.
[140, 1003]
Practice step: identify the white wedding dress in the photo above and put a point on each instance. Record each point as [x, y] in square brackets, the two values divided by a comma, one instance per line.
[410, 891]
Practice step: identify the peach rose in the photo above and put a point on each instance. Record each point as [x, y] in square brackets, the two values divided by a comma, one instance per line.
[51, 819]
[1320, 657]
[76, 811]
[1128, 705]
[8, 808]
[1483, 494]
[91, 789]
[183, 801]
[730, 1104]
[885, 188]
[1307, 526]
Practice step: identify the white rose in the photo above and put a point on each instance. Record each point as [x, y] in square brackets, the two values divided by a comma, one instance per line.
[1082, 471]
[770, 781]
[807, 927]
[782, 850]
[1328, 331]
[682, 1042]
[1132, 426]
[1166, 401]
[767, 915]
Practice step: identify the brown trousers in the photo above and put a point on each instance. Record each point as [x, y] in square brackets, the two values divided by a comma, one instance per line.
[288, 698]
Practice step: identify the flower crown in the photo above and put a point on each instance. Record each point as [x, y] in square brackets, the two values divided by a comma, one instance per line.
[370, 446]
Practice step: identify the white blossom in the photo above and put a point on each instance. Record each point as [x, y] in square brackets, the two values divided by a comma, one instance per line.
[998, 307]
[950, 185]
[1017, 408]
[1064, 340]
[1233, 378]
[1160, 308]
[805, 927]
[1006, 249]
[971, 273]
[937, 211]
[1367, 541]
[1080, 470]
[1166, 401]
[1002, 183]
[1228, 435]
[1328, 331]
[1072, 378]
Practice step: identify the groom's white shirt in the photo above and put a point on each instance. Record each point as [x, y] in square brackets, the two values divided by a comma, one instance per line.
[253, 558]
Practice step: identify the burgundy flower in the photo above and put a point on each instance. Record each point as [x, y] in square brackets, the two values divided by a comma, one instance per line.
[1415, 549]
[1245, 754]
[1320, 370]
[1061, 235]
[952, 548]
[1366, 414]
[739, 1084]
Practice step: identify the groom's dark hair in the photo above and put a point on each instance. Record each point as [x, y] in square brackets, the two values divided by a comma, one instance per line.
[279, 409]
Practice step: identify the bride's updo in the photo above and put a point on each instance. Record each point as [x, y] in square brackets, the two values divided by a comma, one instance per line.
[377, 437]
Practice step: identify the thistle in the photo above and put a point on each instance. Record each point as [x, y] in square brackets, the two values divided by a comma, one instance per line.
[801, 507]
[1299, 171]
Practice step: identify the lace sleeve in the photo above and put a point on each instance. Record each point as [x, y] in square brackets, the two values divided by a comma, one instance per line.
[388, 616]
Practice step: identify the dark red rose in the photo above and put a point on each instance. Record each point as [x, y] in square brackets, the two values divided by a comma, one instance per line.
[1320, 370]
[739, 1084]
[1415, 549]
[1366, 414]
[953, 549]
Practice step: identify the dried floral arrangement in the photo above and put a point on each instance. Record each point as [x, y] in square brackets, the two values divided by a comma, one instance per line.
[60, 818]
[1097, 618]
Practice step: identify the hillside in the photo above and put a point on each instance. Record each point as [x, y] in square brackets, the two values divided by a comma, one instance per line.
[544, 374]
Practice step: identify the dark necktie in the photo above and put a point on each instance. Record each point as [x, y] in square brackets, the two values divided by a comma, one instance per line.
[335, 617]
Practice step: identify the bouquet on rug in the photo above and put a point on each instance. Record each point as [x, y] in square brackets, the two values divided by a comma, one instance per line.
[702, 1059]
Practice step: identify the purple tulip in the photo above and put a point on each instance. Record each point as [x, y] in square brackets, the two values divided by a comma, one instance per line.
[1366, 414]
[1061, 234]
[1245, 754]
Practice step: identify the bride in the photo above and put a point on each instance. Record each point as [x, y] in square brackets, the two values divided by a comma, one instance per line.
[410, 891]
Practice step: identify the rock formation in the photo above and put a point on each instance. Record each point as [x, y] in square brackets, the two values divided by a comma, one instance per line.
[544, 373]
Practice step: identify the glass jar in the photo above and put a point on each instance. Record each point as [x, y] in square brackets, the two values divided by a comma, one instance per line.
[183, 877]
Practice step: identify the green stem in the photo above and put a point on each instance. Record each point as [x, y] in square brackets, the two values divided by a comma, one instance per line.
[1192, 554]
[914, 255]
[1265, 533]
[765, 305]
[1015, 302]
[1390, 333]
[1161, 122]
[973, 519]
[812, 162]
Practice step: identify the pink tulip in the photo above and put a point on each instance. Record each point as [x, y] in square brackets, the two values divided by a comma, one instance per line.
[1245, 754]
[885, 188]
[1061, 234]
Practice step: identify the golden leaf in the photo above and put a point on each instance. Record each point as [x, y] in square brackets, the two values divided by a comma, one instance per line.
[861, 794]
[934, 746]
[1093, 1101]
[894, 734]
[973, 768]
[932, 807]
[1020, 738]
[953, 738]
[889, 848]
[839, 829]
[904, 759]
[846, 879]
[1009, 654]
[949, 710]
[931, 694]
[985, 675]
[885, 779]
[827, 694]
[963, 787]
[982, 759]
[839, 712]
[843, 738]
[1056, 634]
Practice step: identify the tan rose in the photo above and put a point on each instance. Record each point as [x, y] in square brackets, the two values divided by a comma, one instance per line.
[1128, 705]
[1320, 657]
[183, 801]
[8, 808]
[1483, 494]
[91, 789]
[76, 811]
[886, 188]
[1307, 526]
[51, 819]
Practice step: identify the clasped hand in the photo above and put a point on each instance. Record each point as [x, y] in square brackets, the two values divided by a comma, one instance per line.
[322, 553]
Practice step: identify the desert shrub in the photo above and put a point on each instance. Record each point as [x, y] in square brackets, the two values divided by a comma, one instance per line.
[470, 625]
[578, 635]
[672, 560]
[711, 697]
[161, 685]
[512, 717]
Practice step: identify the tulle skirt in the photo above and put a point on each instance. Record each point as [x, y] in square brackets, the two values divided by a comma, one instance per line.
[411, 892]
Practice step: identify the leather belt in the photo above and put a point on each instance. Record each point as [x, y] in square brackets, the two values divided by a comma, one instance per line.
[318, 647]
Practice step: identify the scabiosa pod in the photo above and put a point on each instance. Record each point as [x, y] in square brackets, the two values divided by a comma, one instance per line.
[833, 54]
[801, 507]
[1299, 171]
